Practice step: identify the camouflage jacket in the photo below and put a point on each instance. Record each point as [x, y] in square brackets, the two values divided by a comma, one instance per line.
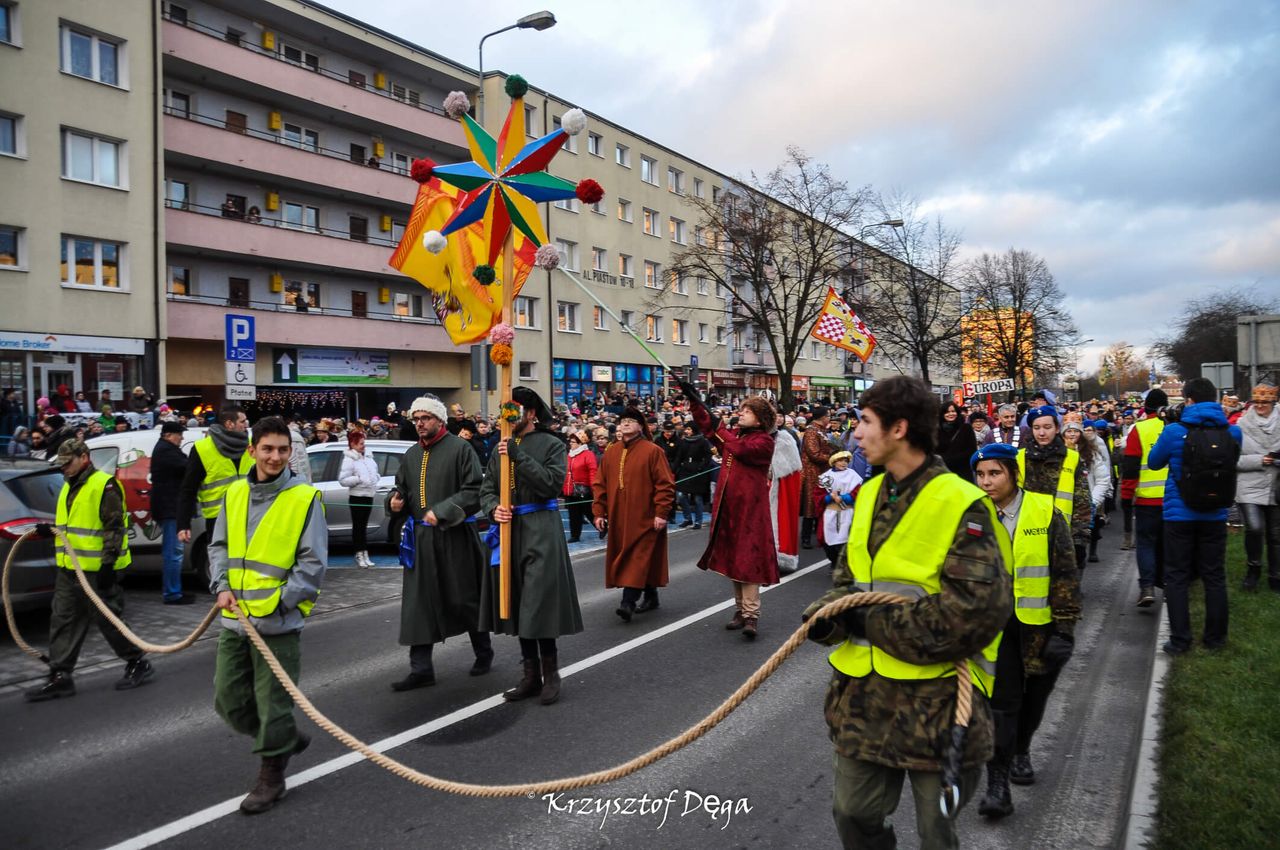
[1044, 465]
[110, 511]
[1064, 599]
[900, 723]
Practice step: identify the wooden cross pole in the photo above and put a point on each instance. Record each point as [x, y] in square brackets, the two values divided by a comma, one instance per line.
[504, 384]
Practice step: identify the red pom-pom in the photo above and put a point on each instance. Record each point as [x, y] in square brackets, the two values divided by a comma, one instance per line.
[421, 170]
[589, 191]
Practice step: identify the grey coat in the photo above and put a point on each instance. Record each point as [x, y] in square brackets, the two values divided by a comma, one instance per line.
[303, 584]
[1256, 482]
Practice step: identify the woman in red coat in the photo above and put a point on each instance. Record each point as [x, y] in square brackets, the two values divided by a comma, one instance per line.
[741, 547]
[577, 483]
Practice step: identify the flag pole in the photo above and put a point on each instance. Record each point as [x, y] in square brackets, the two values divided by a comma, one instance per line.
[504, 467]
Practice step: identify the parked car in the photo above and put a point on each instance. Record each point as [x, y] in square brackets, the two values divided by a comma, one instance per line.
[326, 462]
[28, 495]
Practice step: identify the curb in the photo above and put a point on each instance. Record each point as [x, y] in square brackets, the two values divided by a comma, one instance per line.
[1144, 798]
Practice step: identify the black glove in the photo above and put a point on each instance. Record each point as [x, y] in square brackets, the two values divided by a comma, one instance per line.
[44, 531]
[106, 578]
[689, 390]
[820, 629]
[1057, 650]
[854, 620]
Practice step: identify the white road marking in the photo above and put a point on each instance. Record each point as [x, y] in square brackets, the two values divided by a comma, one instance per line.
[226, 807]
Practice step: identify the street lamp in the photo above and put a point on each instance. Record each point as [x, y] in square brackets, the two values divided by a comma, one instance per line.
[1075, 363]
[537, 21]
[888, 222]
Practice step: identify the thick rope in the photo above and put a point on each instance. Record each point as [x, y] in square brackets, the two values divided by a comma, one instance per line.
[964, 701]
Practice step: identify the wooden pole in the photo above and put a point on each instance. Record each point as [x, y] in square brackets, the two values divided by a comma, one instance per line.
[504, 384]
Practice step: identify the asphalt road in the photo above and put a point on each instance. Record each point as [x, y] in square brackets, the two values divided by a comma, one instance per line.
[156, 765]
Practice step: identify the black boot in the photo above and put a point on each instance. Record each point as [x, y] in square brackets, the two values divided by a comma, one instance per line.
[269, 788]
[1253, 573]
[1093, 551]
[1080, 555]
[649, 602]
[806, 532]
[57, 685]
[1021, 772]
[530, 684]
[998, 802]
[550, 680]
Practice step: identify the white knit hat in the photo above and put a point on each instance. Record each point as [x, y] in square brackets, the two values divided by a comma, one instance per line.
[429, 404]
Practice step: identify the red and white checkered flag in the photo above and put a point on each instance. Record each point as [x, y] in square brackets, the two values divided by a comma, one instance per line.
[838, 325]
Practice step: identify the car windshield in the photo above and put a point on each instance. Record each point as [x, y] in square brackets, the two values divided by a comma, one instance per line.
[38, 492]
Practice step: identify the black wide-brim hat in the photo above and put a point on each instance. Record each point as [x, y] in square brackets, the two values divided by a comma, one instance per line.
[530, 400]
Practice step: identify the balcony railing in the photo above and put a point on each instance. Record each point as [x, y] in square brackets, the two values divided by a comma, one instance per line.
[317, 68]
[232, 212]
[279, 307]
[750, 357]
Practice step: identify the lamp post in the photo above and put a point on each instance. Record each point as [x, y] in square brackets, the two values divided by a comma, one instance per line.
[537, 21]
[889, 222]
[1075, 363]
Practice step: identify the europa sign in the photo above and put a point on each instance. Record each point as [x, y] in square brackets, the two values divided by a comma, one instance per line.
[977, 388]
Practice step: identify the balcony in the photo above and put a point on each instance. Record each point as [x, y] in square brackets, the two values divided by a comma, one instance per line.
[749, 358]
[231, 235]
[195, 317]
[267, 156]
[207, 49]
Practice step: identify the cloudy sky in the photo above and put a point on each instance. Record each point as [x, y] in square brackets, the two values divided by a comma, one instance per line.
[1134, 145]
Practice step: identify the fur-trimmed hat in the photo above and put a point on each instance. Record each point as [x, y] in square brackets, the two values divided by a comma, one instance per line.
[429, 404]
[763, 410]
[637, 415]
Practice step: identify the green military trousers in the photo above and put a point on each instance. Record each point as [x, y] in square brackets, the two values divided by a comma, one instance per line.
[866, 794]
[73, 613]
[247, 695]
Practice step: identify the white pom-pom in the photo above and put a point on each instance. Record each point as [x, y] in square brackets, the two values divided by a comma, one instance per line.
[546, 257]
[456, 104]
[434, 241]
[574, 121]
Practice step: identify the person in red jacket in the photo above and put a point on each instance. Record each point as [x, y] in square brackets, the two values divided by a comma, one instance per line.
[741, 547]
[577, 482]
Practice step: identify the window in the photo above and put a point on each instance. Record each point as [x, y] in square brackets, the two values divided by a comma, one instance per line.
[702, 285]
[649, 170]
[177, 103]
[528, 370]
[91, 56]
[357, 154]
[358, 227]
[698, 189]
[12, 249]
[300, 137]
[680, 331]
[238, 292]
[530, 113]
[598, 208]
[570, 142]
[567, 204]
[568, 254]
[301, 295]
[401, 162]
[11, 135]
[622, 155]
[526, 311]
[234, 206]
[599, 259]
[92, 262]
[236, 122]
[356, 78]
[595, 144]
[177, 194]
[627, 317]
[651, 224]
[676, 229]
[405, 94]
[624, 210]
[702, 332]
[679, 285]
[179, 280]
[699, 235]
[815, 353]
[397, 231]
[359, 304]
[298, 56]
[715, 194]
[625, 265]
[232, 36]
[721, 290]
[567, 317]
[675, 181]
[8, 24]
[600, 318]
[720, 334]
[403, 306]
[301, 217]
[90, 158]
[176, 13]
[653, 328]
[652, 274]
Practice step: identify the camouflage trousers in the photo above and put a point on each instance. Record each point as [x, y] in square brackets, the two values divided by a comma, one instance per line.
[866, 794]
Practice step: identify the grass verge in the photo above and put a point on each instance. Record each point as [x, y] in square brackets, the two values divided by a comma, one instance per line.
[1220, 752]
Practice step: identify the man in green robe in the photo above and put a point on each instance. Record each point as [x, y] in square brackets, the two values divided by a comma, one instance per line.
[544, 598]
[437, 489]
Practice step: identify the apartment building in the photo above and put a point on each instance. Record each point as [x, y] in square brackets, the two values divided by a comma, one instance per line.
[80, 260]
[288, 131]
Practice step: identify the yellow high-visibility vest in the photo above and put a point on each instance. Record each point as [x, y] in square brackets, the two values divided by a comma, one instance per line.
[910, 564]
[1150, 481]
[219, 474]
[83, 525]
[259, 565]
[1064, 496]
[1031, 559]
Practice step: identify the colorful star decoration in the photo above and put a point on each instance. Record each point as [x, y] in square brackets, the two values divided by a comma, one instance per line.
[504, 181]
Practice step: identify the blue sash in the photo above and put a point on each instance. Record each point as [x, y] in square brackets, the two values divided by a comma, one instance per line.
[493, 538]
[408, 540]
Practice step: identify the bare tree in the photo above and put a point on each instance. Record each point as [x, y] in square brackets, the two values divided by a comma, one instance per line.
[1121, 369]
[1206, 330]
[903, 287]
[1015, 324]
[774, 245]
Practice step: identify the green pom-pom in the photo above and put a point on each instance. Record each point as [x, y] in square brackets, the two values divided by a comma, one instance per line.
[485, 274]
[516, 86]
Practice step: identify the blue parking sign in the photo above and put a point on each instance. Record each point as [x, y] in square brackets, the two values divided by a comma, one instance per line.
[240, 339]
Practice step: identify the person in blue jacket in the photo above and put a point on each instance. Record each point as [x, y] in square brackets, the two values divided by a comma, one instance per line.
[1193, 540]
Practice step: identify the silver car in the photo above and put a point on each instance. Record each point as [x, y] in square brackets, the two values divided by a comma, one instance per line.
[326, 462]
[28, 495]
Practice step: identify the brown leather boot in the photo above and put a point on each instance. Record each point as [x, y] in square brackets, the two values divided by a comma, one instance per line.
[530, 684]
[550, 679]
[749, 628]
[269, 788]
[736, 623]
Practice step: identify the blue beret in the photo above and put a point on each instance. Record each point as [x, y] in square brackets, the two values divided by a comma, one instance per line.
[1100, 424]
[1036, 412]
[995, 451]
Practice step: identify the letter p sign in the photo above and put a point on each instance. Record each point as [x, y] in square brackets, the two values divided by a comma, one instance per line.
[241, 346]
